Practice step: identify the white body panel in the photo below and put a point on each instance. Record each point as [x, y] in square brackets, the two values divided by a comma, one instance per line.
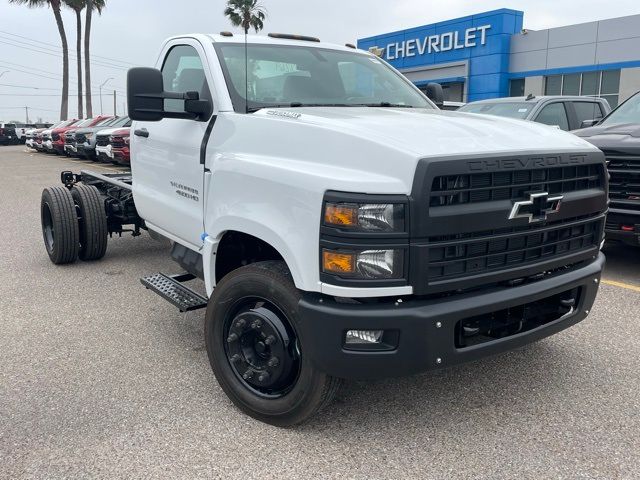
[267, 174]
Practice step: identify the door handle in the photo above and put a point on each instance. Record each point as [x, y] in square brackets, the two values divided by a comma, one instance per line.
[141, 133]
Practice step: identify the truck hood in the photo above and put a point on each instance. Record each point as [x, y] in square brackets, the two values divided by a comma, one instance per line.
[613, 137]
[426, 133]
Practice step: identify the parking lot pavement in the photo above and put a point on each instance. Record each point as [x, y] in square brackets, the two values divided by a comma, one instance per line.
[101, 378]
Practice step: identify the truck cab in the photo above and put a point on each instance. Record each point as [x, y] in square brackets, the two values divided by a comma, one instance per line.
[343, 225]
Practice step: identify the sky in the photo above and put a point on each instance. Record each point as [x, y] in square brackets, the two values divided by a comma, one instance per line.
[130, 32]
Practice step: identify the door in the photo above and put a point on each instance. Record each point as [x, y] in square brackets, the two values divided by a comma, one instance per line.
[168, 176]
[554, 114]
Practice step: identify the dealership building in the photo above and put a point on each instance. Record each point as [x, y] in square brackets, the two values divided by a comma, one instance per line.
[491, 55]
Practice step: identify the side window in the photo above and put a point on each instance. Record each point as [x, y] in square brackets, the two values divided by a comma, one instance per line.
[554, 114]
[182, 72]
[587, 111]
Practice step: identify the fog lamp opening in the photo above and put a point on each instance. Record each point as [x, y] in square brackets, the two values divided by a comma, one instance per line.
[371, 340]
[359, 337]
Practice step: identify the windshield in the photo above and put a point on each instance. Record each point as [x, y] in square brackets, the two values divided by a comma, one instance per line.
[106, 121]
[628, 112]
[85, 123]
[297, 76]
[500, 109]
[121, 122]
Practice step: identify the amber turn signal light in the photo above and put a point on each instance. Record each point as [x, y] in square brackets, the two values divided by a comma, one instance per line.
[341, 215]
[336, 262]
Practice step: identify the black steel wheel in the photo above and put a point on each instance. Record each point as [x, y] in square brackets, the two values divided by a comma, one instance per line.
[92, 222]
[255, 349]
[59, 225]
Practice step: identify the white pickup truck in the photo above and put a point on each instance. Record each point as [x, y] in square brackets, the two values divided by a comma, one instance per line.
[343, 225]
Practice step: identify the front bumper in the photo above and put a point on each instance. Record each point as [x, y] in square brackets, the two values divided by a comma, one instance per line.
[70, 149]
[624, 226]
[425, 330]
[104, 154]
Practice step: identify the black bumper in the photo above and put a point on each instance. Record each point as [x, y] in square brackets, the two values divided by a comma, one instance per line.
[618, 223]
[425, 330]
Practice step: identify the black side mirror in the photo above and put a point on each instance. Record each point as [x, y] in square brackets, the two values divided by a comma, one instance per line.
[589, 123]
[436, 94]
[146, 96]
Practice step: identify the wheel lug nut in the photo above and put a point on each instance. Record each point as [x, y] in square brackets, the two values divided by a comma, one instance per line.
[241, 323]
[270, 340]
[263, 376]
[273, 362]
[256, 324]
[247, 375]
[236, 358]
[232, 338]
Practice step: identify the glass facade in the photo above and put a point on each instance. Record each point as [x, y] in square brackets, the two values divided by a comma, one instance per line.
[604, 84]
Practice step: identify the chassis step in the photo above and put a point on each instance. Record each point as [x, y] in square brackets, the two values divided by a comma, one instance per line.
[173, 291]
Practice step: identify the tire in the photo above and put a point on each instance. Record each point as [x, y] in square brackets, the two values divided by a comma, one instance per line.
[292, 397]
[59, 225]
[92, 222]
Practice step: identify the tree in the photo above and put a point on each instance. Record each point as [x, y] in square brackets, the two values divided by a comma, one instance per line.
[247, 14]
[55, 7]
[91, 5]
[77, 6]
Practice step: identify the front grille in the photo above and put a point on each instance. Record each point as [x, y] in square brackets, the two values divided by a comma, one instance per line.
[55, 136]
[486, 187]
[456, 256]
[624, 184]
[117, 143]
[102, 141]
[69, 139]
[81, 138]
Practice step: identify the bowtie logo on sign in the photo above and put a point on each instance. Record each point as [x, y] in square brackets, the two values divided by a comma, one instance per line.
[443, 42]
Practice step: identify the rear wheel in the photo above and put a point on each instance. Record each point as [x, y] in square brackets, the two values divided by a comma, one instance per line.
[256, 353]
[59, 225]
[92, 222]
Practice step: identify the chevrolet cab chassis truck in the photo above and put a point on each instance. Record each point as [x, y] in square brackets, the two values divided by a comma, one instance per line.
[344, 226]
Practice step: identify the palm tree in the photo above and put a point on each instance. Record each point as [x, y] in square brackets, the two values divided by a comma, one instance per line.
[91, 5]
[55, 7]
[77, 6]
[247, 14]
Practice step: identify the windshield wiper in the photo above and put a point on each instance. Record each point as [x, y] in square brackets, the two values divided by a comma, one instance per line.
[384, 105]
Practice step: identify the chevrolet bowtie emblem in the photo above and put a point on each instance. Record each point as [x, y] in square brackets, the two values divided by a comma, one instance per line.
[537, 208]
[378, 52]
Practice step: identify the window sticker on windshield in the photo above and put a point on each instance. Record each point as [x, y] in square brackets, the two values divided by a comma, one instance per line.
[523, 110]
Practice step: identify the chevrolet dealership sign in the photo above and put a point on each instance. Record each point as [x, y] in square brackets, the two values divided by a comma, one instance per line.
[443, 42]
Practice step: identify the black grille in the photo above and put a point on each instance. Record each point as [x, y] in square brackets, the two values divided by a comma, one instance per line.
[55, 136]
[624, 184]
[69, 138]
[102, 141]
[118, 142]
[486, 187]
[80, 138]
[462, 255]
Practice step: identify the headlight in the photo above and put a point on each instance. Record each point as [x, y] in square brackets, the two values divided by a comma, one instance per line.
[375, 264]
[367, 217]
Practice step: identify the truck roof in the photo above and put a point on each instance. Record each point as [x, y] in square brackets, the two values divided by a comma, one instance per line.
[537, 99]
[282, 39]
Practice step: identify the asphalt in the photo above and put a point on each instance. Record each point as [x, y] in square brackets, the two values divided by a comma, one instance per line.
[101, 378]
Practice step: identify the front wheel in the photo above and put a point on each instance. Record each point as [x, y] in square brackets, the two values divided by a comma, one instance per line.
[257, 355]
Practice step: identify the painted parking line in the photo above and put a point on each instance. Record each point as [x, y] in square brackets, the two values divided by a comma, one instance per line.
[626, 286]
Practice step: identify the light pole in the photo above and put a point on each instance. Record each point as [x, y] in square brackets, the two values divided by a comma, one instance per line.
[103, 84]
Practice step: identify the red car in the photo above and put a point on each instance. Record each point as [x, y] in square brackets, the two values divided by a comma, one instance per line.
[58, 134]
[120, 146]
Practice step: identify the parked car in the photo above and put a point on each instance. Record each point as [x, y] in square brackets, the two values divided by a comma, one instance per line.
[618, 136]
[119, 141]
[86, 137]
[7, 133]
[53, 139]
[66, 142]
[565, 112]
[30, 134]
[104, 146]
[21, 131]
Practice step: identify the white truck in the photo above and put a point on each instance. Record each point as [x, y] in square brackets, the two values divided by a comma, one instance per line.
[343, 225]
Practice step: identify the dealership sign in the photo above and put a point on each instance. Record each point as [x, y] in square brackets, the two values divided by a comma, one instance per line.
[443, 42]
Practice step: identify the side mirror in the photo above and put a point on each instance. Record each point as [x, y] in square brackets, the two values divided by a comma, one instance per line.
[589, 123]
[146, 96]
[436, 94]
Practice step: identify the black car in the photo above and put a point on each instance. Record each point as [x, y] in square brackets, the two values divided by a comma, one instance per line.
[7, 133]
[618, 136]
